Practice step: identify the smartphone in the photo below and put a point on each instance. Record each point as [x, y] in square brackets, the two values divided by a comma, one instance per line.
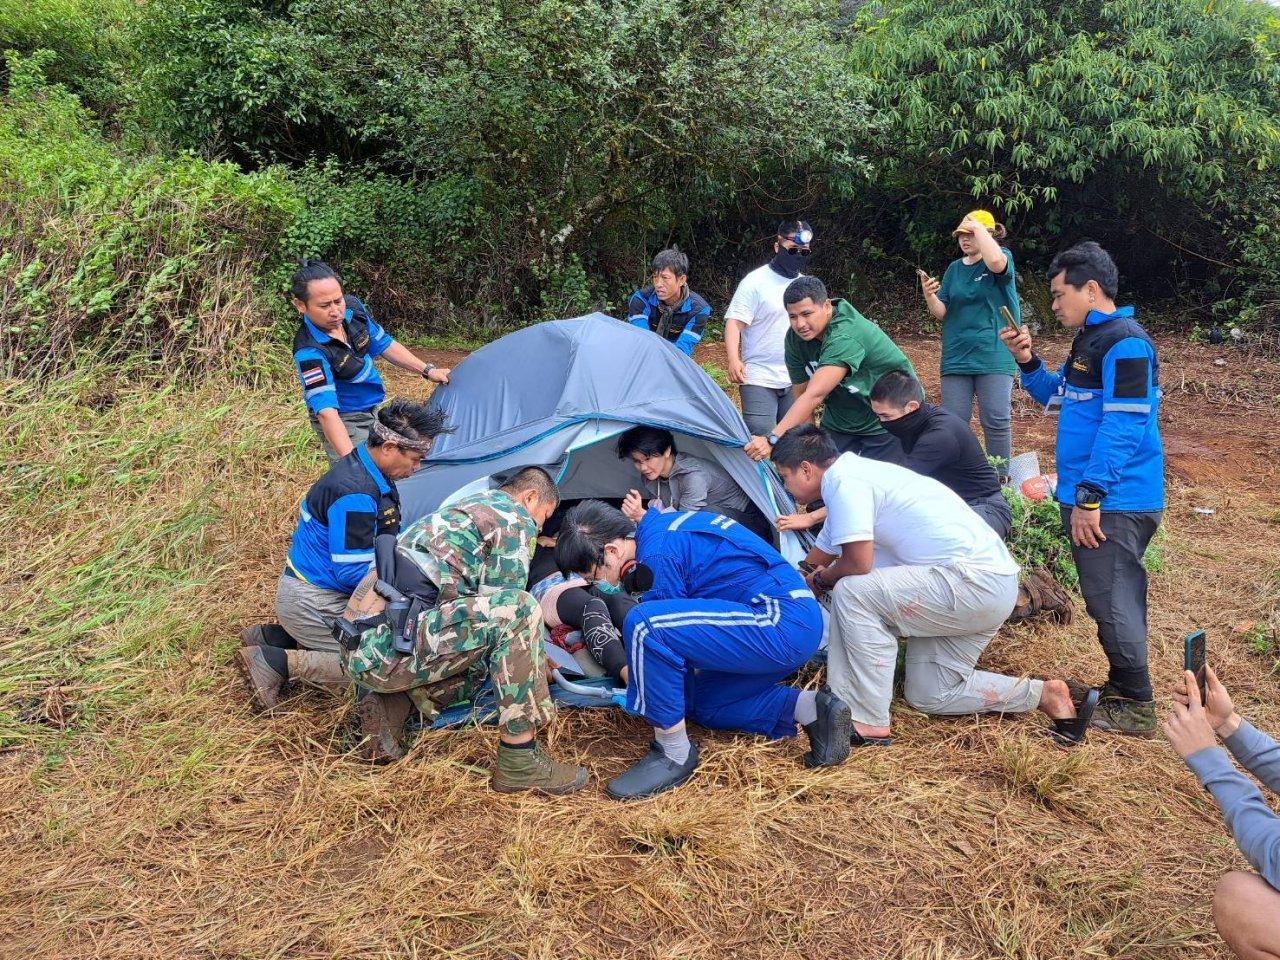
[1007, 314]
[1193, 659]
[923, 275]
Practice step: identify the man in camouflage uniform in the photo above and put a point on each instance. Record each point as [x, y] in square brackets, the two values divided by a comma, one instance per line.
[476, 552]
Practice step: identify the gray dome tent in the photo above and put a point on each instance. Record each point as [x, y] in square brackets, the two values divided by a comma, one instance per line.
[555, 393]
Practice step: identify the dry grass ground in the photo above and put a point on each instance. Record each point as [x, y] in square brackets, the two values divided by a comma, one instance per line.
[146, 813]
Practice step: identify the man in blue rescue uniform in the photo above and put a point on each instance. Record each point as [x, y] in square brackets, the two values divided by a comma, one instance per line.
[1110, 466]
[332, 549]
[724, 622]
[667, 306]
[333, 352]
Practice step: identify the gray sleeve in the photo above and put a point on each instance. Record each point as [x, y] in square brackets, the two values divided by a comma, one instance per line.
[1253, 826]
[694, 487]
[1257, 753]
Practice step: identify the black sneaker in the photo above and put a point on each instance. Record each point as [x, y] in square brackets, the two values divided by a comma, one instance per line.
[654, 773]
[829, 735]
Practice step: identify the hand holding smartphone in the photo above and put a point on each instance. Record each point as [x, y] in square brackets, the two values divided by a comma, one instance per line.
[1193, 659]
[1007, 315]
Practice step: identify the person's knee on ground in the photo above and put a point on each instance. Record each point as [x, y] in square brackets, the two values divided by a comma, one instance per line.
[1246, 913]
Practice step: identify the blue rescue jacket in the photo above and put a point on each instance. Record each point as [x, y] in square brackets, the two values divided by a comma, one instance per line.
[341, 515]
[336, 375]
[684, 328]
[704, 556]
[1108, 435]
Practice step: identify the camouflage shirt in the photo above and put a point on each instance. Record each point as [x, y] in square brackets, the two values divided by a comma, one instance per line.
[479, 544]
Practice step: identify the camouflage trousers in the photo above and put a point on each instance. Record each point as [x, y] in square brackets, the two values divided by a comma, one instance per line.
[498, 635]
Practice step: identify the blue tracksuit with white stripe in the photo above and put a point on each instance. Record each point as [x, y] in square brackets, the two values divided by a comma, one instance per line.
[726, 621]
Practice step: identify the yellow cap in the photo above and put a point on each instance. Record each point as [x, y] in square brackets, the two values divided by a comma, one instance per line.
[981, 216]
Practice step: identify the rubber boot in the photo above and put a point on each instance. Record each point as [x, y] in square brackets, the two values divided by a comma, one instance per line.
[318, 668]
[382, 719]
[530, 769]
[263, 682]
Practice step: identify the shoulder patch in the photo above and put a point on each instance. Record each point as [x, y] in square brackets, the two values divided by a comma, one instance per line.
[1131, 377]
[312, 372]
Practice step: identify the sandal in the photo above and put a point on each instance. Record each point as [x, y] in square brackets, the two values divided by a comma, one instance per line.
[1071, 732]
[858, 740]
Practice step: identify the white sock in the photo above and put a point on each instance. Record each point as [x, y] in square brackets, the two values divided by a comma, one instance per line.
[674, 742]
[807, 707]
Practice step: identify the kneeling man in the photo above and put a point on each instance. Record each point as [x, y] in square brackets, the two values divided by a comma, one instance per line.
[340, 518]
[725, 620]
[902, 555]
[466, 565]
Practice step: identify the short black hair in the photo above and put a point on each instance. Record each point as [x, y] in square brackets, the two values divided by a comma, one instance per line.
[805, 444]
[788, 228]
[309, 270]
[533, 478]
[805, 288]
[583, 535]
[673, 259]
[897, 387]
[410, 419]
[651, 441]
[1084, 262]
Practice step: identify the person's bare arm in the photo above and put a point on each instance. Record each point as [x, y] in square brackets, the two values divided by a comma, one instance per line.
[988, 247]
[405, 359]
[733, 348]
[824, 380]
[335, 431]
[856, 559]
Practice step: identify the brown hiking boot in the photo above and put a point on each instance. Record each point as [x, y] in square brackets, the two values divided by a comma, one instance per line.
[521, 769]
[1117, 714]
[382, 719]
[264, 683]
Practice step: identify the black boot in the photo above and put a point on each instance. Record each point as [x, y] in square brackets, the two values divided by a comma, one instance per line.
[652, 774]
[829, 735]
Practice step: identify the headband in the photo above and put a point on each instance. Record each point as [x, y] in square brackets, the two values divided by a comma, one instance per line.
[387, 435]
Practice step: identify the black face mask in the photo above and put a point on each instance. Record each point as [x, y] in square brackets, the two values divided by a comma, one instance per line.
[789, 263]
[905, 426]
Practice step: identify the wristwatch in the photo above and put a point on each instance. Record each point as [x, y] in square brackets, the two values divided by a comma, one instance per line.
[426, 371]
[773, 439]
[1088, 497]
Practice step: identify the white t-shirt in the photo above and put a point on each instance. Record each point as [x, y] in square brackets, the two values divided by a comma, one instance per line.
[757, 303]
[914, 520]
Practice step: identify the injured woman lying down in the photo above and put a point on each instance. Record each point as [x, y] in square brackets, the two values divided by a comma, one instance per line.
[570, 604]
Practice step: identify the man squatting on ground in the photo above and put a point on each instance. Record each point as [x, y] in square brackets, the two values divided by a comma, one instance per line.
[332, 547]
[667, 306]
[938, 444]
[471, 563]
[1246, 906]
[903, 556]
[726, 621]
[1110, 466]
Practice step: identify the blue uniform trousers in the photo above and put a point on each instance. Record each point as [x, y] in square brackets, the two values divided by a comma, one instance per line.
[720, 663]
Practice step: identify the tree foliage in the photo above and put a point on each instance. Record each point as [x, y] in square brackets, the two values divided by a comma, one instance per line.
[1142, 123]
[535, 135]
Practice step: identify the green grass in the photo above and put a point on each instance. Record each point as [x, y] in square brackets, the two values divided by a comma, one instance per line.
[132, 502]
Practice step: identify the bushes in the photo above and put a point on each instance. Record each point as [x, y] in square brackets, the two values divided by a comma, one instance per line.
[149, 258]
[514, 137]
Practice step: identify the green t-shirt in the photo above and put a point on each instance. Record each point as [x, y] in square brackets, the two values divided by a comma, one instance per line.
[855, 343]
[971, 329]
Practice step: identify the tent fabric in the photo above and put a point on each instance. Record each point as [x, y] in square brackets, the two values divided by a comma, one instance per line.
[555, 394]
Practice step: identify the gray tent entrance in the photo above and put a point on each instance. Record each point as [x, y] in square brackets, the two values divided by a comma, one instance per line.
[557, 393]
